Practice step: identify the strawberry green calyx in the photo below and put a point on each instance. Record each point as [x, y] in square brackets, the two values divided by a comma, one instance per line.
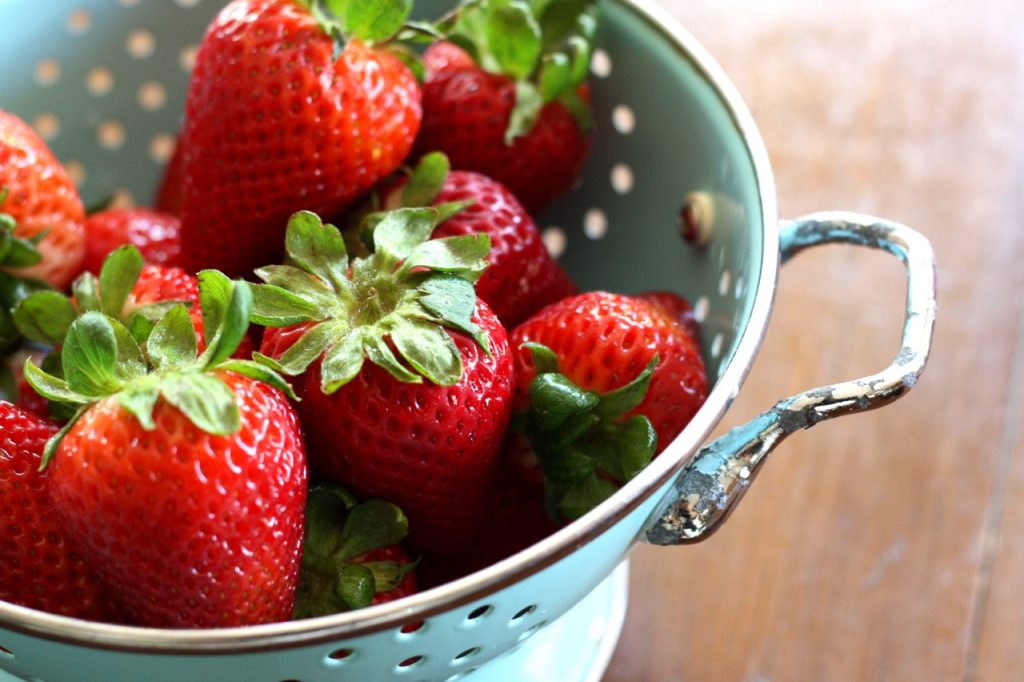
[421, 188]
[426, 180]
[391, 307]
[101, 359]
[585, 447]
[15, 253]
[544, 45]
[45, 317]
[371, 21]
[338, 530]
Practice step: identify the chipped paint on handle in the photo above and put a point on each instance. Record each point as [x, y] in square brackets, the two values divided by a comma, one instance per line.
[711, 485]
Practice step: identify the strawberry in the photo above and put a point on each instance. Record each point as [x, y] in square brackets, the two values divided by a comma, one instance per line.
[522, 276]
[516, 106]
[280, 116]
[37, 194]
[38, 568]
[605, 381]
[181, 477]
[421, 423]
[156, 235]
[351, 557]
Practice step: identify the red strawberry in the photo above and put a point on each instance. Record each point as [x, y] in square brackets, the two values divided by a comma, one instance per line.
[522, 276]
[156, 235]
[181, 479]
[37, 193]
[168, 196]
[276, 122]
[351, 557]
[614, 377]
[518, 110]
[421, 423]
[38, 569]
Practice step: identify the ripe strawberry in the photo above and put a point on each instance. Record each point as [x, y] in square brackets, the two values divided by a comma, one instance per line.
[156, 235]
[38, 569]
[378, 428]
[609, 380]
[276, 121]
[36, 192]
[522, 276]
[351, 557]
[517, 109]
[181, 479]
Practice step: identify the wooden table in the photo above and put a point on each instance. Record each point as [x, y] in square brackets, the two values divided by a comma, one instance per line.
[889, 545]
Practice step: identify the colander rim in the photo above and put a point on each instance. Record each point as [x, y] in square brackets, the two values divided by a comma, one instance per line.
[479, 585]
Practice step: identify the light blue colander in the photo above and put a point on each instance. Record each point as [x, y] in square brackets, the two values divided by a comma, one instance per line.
[676, 151]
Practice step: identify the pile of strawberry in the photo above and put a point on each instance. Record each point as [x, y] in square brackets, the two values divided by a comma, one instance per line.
[387, 404]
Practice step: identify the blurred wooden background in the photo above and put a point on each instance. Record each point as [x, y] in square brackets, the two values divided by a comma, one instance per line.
[885, 546]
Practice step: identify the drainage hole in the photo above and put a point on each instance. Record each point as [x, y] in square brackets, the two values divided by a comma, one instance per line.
[479, 612]
[523, 613]
[410, 663]
[340, 654]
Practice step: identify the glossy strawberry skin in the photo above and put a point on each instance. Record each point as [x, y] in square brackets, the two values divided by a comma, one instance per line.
[41, 196]
[38, 568]
[522, 276]
[157, 236]
[465, 114]
[432, 450]
[274, 124]
[186, 529]
[604, 341]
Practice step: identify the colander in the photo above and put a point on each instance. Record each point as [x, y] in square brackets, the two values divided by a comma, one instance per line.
[678, 194]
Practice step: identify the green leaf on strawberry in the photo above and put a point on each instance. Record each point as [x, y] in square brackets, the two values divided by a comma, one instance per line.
[390, 307]
[15, 253]
[101, 359]
[544, 45]
[585, 445]
[426, 180]
[371, 21]
[340, 531]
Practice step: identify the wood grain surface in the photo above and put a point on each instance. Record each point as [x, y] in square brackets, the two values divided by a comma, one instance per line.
[889, 545]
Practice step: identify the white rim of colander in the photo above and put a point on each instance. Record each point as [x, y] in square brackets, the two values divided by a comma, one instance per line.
[479, 585]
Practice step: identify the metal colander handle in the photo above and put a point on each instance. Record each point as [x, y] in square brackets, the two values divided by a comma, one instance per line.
[708, 489]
